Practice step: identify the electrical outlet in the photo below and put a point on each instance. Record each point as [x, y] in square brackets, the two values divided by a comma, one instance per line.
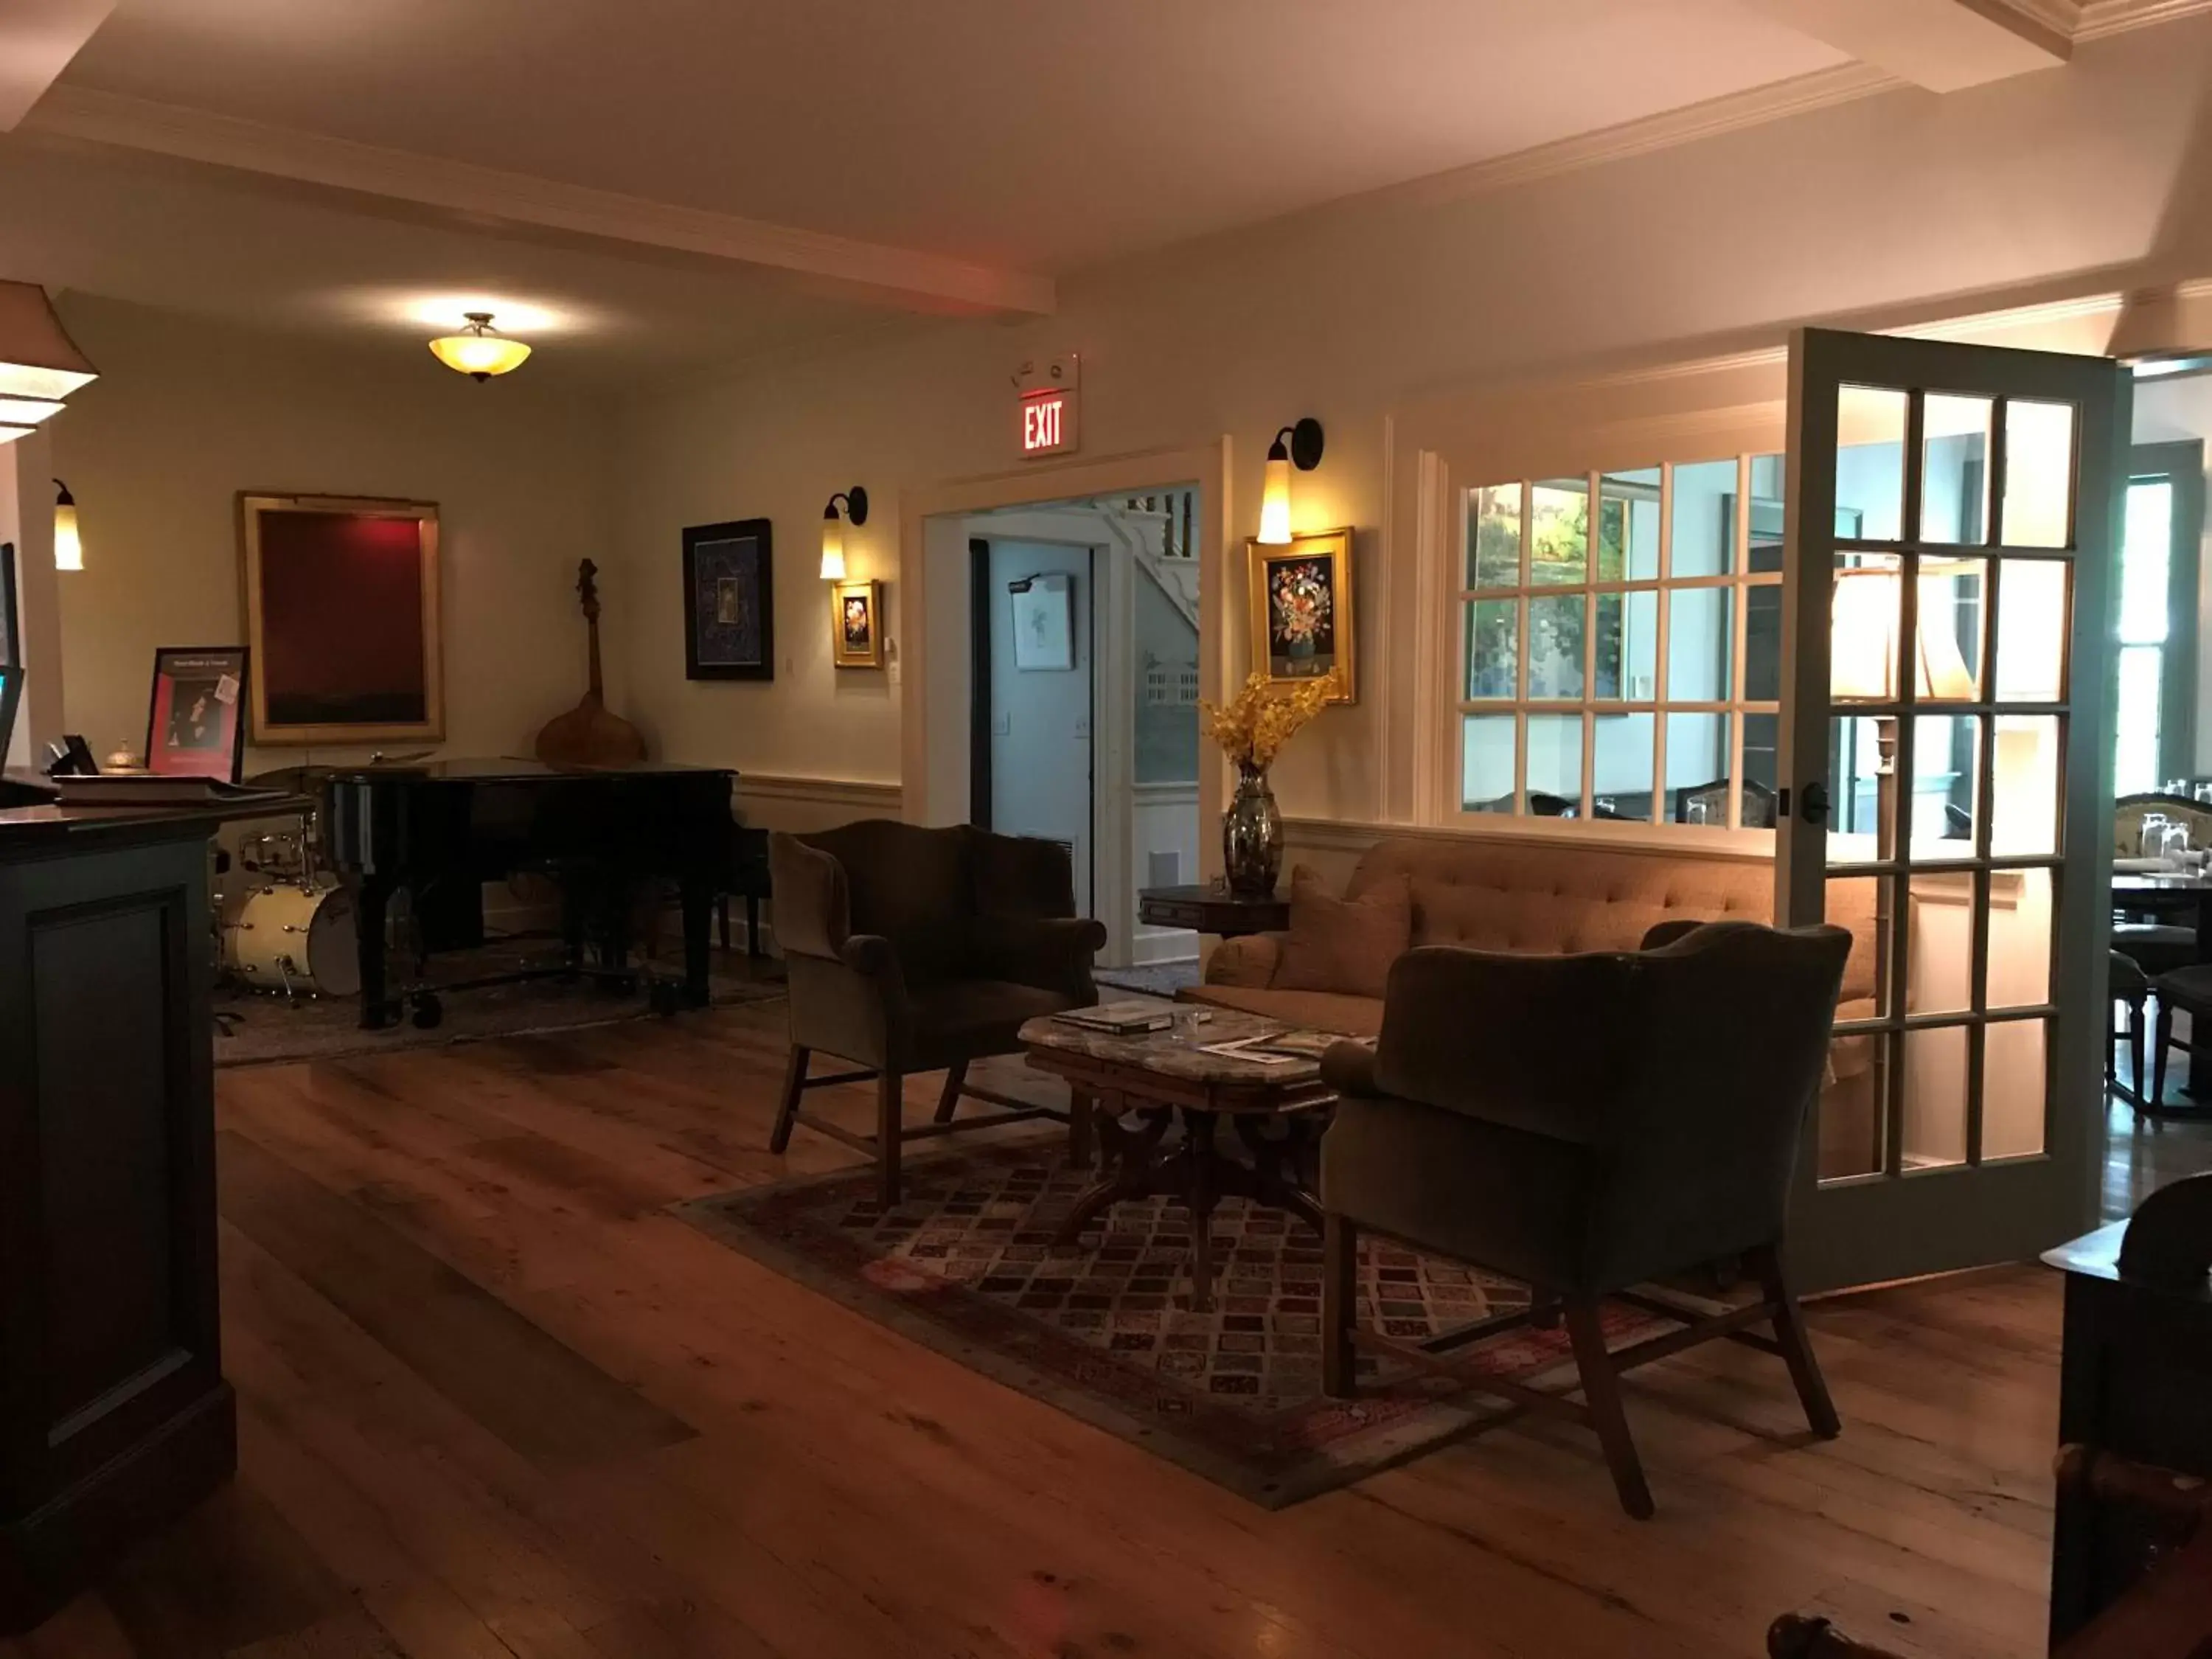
[1002, 725]
[1083, 727]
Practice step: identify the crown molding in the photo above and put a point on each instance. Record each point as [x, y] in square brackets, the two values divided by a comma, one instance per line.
[2102, 17]
[1754, 107]
[902, 275]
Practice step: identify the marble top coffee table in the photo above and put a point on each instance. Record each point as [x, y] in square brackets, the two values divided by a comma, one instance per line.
[1135, 1087]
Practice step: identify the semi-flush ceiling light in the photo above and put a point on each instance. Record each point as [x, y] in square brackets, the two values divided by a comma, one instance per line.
[478, 352]
[26, 411]
[68, 547]
[1303, 452]
[37, 359]
[833, 530]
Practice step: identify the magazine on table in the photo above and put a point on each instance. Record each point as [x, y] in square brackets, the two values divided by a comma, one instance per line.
[1121, 1018]
[1286, 1047]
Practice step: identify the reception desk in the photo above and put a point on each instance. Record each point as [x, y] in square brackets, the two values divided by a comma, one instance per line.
[114, 1416]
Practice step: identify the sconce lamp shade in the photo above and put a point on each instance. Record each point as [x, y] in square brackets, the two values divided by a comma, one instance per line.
[855, 508]
[37, 359]
[477, 351]
[1303, 452]
[1862, 653]
[69, 546]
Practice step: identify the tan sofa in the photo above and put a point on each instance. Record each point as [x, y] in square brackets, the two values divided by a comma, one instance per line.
[1486, 894]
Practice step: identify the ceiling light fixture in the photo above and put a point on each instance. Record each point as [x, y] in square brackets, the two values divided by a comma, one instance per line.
[69, 547]
[833, 530]
[478, 351]
[1303, 452]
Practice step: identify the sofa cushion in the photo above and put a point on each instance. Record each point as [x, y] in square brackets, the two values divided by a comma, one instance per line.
[1320, 1010]
[1344, 944]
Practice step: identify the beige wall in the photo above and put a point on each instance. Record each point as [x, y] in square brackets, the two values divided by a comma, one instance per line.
[186, 415]
[1901, 205]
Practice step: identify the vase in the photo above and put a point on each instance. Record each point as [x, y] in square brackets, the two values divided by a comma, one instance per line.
[1252, 836]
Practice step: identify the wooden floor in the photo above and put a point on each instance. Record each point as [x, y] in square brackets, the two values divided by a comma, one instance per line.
[496, 1404]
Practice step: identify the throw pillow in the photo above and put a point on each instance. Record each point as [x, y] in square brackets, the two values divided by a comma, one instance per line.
[1344, 944]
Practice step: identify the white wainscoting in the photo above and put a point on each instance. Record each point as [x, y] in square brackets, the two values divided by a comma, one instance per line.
[1164, 818]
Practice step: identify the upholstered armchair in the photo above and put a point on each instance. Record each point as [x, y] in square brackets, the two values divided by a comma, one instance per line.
[1585, 1124]
[913, 949]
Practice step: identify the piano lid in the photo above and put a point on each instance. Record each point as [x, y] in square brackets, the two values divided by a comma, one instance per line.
[513, 769]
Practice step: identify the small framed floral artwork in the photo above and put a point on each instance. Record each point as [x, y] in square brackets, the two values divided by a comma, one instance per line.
[1301, 596]
[856, 624]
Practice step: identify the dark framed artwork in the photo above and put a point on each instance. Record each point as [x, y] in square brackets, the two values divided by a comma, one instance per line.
[856, 624]
[344, 618]
[729, 601]
[1301, 597]
[194, 719]
[11, 636]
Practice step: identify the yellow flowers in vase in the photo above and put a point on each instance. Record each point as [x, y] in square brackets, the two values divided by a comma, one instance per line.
[1252, 726]
[1251, 729]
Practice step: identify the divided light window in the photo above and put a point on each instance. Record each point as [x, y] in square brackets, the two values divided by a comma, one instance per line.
[1620, 645]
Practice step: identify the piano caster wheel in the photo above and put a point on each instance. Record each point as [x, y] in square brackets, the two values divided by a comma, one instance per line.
[662, 998]
[430, 1013]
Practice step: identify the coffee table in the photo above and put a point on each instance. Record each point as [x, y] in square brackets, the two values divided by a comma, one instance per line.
[1135, 1087]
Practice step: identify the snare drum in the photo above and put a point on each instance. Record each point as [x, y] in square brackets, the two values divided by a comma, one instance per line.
[285, 937]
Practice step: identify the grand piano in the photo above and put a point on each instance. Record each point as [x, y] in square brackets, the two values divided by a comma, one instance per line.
[441, 829]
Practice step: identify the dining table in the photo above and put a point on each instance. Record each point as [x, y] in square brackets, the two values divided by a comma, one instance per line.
[2180, 896]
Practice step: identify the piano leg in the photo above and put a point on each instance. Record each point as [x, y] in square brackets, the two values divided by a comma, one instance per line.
[698, 890]
[369, 905]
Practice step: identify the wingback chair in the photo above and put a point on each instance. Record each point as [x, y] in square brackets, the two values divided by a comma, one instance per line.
[1585, 1124]
[916, 950]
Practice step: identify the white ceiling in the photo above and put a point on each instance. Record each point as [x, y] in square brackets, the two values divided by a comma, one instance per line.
[1046, 135]
[1008, 141]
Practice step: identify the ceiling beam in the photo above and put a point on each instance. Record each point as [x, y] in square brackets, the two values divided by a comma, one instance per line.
[898, 276]
[1944, 46]
[38, 39]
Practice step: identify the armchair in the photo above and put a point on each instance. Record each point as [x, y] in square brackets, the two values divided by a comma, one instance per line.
[1497, 1122]
[915, 949]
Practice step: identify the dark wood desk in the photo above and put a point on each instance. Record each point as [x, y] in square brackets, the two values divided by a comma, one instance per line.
[114, 1416]
[1210, 909]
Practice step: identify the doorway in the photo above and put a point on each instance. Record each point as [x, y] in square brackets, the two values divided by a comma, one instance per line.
[1079, 664]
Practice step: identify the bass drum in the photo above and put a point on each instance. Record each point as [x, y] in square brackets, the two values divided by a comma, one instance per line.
[285, 937]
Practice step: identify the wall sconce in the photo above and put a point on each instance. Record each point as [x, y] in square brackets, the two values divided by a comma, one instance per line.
[1303, 452]
[833, 530]
[68, 547]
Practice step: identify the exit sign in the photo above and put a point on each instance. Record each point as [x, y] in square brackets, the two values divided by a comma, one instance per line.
[1047, 416]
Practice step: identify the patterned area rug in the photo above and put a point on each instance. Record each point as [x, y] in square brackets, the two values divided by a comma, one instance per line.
[1103, 1327]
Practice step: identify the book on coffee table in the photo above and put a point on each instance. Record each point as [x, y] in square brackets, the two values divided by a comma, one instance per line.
[1121, 1019]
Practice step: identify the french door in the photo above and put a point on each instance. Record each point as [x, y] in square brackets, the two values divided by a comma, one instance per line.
[1953, 517]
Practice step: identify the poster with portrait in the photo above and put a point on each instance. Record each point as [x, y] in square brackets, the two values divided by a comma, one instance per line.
[194, 721]
[729, 601]
[1301, 598]
[856, 624]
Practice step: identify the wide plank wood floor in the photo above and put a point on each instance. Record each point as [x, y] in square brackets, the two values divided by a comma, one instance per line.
[497, 1404]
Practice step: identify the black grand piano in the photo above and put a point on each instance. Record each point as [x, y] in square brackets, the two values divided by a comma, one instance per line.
[441, 829]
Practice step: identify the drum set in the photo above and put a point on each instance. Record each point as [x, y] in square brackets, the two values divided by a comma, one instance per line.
[281, 925]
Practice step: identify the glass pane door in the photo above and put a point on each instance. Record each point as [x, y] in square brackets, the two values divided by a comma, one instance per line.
[1951, 520]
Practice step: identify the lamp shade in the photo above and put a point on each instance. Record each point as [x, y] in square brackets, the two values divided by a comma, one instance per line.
[37, 359]
[833, 549]
[69, 546]
[477, 351]
[1863, 628]
[1275, 498]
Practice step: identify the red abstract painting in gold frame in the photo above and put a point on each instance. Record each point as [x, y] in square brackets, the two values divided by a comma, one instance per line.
[344, 619]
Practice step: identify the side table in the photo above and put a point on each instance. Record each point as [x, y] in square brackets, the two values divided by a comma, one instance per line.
[1210, 909]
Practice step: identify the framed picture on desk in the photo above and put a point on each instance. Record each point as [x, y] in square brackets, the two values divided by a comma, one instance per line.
[194, 725]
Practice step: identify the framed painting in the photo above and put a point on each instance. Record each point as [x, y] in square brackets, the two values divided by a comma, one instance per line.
[729, 601]
[1044, 622]
[856, 624]
[194, 725]
[342, 619]
[1301, 599]
[12, 638]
